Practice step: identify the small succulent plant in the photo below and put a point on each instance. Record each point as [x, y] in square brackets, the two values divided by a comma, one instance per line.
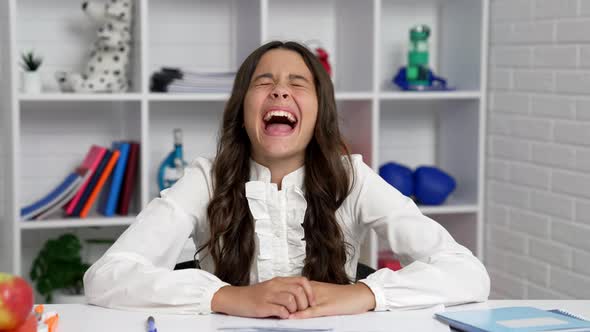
[30, 62]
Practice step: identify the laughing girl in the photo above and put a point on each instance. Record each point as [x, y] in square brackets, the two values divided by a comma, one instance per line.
[279, 215]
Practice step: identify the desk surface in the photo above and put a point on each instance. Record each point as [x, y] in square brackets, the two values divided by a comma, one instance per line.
[76, 317]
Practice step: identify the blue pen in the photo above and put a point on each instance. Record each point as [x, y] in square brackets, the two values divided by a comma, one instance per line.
[151, 323]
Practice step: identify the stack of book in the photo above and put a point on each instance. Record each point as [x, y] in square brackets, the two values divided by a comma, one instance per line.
[110, 171]
[182, 81]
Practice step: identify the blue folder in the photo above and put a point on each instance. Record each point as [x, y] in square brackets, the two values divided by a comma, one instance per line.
[114, 189]
[512, 319]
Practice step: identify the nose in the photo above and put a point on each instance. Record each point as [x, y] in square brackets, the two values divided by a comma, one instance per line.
[280, 93]
[84, 5]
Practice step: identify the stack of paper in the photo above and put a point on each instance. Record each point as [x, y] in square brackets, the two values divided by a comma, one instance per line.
[180, 80]
[203, 82]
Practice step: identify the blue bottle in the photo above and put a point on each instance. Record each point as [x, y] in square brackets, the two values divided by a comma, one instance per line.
[172, 168]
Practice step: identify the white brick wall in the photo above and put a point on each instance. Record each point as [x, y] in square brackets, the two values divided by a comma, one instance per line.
[5, 232]
[538, 163]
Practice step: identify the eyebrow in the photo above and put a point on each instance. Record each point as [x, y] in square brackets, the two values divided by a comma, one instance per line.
[265, 75]
[298, 77]
[291, 77]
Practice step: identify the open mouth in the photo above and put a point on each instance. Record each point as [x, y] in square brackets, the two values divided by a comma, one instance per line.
[279, 122]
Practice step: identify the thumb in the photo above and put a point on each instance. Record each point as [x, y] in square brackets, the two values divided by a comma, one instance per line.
[310, 312]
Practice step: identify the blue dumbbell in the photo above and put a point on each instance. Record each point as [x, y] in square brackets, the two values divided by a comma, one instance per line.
[432, 186]
[399, 176]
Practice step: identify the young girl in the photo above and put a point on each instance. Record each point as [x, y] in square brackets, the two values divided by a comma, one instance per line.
[279, 216]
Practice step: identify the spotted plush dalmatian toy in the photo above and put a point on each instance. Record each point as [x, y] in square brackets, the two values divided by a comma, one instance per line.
[106, 71]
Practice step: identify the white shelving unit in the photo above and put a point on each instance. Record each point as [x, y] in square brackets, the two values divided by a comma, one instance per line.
[47, 135]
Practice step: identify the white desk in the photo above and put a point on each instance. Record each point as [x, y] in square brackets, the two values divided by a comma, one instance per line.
[75, 318]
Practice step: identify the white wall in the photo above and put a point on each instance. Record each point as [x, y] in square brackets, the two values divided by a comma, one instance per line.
[6, 234]
[538, 198]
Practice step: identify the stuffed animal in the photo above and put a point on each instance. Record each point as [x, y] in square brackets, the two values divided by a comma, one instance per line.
[106, 70]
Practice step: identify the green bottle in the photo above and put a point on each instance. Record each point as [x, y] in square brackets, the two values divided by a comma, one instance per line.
[417, 69]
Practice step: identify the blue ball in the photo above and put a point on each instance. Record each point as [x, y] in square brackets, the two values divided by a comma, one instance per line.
[399, 176]
[432, 186]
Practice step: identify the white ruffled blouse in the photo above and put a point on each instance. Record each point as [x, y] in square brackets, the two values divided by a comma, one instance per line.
[136, 272]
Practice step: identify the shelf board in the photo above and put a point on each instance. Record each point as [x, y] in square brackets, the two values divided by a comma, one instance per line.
[433, 95]
[163, 96]
[225, 96]
[77, 222]
[354, 95]
[449, 209]
[57, 96]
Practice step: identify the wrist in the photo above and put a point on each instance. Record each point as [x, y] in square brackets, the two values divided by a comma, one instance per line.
[366, 296]
[220, 298]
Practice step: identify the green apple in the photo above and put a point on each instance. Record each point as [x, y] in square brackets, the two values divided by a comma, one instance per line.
[16, 301]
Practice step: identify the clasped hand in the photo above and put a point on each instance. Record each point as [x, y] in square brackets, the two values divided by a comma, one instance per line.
[293, 297]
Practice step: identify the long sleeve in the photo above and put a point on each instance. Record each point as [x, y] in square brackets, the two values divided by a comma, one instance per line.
[436, 269]
[136, 272]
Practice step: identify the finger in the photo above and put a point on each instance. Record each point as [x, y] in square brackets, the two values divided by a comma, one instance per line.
[286, 300]
[307, 313]
[304, 282]
[278, 311]
[300, 296]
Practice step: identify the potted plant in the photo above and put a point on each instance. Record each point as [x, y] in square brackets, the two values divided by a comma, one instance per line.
[31, 79]
[57, 271]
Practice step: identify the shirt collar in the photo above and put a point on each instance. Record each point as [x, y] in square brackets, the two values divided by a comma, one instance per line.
[261, 173]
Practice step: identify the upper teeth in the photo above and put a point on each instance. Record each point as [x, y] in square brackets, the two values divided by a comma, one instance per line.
[279, 113]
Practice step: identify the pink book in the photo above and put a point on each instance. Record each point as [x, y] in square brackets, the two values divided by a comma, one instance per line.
[93, 158]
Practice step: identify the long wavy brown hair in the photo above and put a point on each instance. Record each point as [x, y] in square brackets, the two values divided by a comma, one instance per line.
[327, 183]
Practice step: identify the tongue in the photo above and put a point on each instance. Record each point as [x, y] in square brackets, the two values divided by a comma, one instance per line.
[278, 129]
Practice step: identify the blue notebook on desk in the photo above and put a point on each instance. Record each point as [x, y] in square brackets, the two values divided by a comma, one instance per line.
[513, 319]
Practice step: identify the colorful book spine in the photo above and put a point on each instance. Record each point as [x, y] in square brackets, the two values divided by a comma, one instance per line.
[101, 180]
[92, 183]
[130, 179]
[85, 175]
[52, 198]
[93, 158]
[112, 196]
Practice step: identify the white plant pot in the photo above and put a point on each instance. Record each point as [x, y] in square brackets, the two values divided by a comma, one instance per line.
[61, 297]
[31, 82]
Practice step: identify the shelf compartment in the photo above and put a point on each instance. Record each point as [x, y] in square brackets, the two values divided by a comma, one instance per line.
[344, 28]
[435, 133]
[206, 35]
[55, 137]
[43, 25]
[34, 239]
[199, 122]
[455, 40]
